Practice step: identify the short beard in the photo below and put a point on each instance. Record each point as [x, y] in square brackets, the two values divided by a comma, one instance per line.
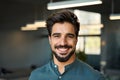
[63, 59]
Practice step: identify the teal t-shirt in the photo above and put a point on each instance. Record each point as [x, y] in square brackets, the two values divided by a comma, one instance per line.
[78, 70]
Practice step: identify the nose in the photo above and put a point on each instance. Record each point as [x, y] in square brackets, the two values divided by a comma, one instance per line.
[63, 41]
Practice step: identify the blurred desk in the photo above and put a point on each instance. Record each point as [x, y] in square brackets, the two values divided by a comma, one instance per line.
[19, 73]
[112, 74]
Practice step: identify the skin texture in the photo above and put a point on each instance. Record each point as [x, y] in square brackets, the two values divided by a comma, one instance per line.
[63, 44]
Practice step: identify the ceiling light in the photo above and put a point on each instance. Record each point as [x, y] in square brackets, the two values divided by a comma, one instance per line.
[40, 24]
[72, 3]
[29, 27]
[34, 26]
[114, 16]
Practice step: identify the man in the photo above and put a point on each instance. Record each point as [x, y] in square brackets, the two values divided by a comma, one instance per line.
[63, 28]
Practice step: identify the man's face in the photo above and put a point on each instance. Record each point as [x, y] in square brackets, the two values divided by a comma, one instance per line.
[63, 41]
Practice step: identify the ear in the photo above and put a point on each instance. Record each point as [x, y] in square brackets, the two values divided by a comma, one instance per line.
[76, 40]
[49, 37]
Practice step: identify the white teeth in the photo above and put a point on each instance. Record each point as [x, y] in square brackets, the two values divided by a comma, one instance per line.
[63, 49]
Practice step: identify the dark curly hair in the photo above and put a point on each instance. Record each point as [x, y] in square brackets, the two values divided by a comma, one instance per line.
[61, 17]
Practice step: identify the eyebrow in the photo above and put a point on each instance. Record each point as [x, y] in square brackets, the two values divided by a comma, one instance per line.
[60, 33]
[70, 34]
[55, 34]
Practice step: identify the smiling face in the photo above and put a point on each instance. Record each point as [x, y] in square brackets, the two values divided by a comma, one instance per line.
[63, 41]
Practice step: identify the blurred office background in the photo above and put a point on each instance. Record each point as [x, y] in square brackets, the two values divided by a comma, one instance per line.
[24, 42]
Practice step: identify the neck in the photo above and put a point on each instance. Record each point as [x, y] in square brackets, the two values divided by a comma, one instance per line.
[61, 65]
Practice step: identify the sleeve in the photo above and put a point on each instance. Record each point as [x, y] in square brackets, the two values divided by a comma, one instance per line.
[31, 77]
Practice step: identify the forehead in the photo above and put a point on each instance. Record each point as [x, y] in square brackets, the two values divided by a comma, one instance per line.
[65, 27]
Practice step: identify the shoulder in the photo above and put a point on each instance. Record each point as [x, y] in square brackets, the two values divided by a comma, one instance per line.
[41, 69]
[83, 65]
[88, 71]
[35, 74]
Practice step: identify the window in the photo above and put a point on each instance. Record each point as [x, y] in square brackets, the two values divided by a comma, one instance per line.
[90, 30]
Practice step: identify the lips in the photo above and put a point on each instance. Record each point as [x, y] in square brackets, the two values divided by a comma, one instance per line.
[63, 51]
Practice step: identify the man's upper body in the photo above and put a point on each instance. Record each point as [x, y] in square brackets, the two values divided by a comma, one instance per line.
[78, 70]
[63, 29]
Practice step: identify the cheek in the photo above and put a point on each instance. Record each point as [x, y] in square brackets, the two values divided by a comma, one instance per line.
[52, 43]
[74, 42]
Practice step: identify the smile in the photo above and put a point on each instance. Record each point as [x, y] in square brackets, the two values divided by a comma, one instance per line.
[63, 51]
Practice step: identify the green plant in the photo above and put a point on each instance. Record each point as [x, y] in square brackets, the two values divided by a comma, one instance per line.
[81, 55]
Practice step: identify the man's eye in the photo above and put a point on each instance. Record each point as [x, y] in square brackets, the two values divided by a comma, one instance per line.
[56, 36]
[71, 36]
